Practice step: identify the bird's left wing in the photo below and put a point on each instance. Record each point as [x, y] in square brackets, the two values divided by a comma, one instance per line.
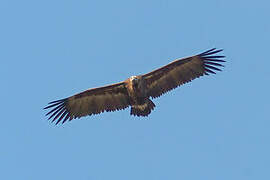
[93, 101]
[182, 71]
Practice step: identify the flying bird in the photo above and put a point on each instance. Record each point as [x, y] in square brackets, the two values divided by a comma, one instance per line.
[136, 91]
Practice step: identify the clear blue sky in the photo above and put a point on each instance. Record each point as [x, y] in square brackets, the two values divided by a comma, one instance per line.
[216, 127]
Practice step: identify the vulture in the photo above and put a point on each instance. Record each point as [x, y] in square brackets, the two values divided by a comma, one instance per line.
[136, 91]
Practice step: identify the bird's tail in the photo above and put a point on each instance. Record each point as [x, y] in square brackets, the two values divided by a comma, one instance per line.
[142, 109]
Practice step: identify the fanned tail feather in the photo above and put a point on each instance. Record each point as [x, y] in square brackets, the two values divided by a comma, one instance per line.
[142, 109]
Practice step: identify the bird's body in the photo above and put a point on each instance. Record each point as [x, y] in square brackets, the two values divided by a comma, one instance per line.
[141, 105]
[136, 91]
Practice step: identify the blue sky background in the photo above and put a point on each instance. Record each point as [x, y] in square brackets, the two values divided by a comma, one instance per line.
[216, 127]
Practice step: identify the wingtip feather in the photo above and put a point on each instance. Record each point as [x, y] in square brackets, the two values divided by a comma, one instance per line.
[211, 51]
[212, 61]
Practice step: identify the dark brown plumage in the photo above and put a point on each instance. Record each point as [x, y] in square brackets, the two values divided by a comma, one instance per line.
[136, 90]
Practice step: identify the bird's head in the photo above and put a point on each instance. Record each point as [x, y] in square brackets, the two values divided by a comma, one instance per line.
[134, 80]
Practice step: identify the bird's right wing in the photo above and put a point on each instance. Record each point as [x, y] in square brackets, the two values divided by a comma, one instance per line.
[93, 101]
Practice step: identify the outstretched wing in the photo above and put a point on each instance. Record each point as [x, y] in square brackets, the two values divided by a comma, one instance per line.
[92, 101]
[182, 71]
